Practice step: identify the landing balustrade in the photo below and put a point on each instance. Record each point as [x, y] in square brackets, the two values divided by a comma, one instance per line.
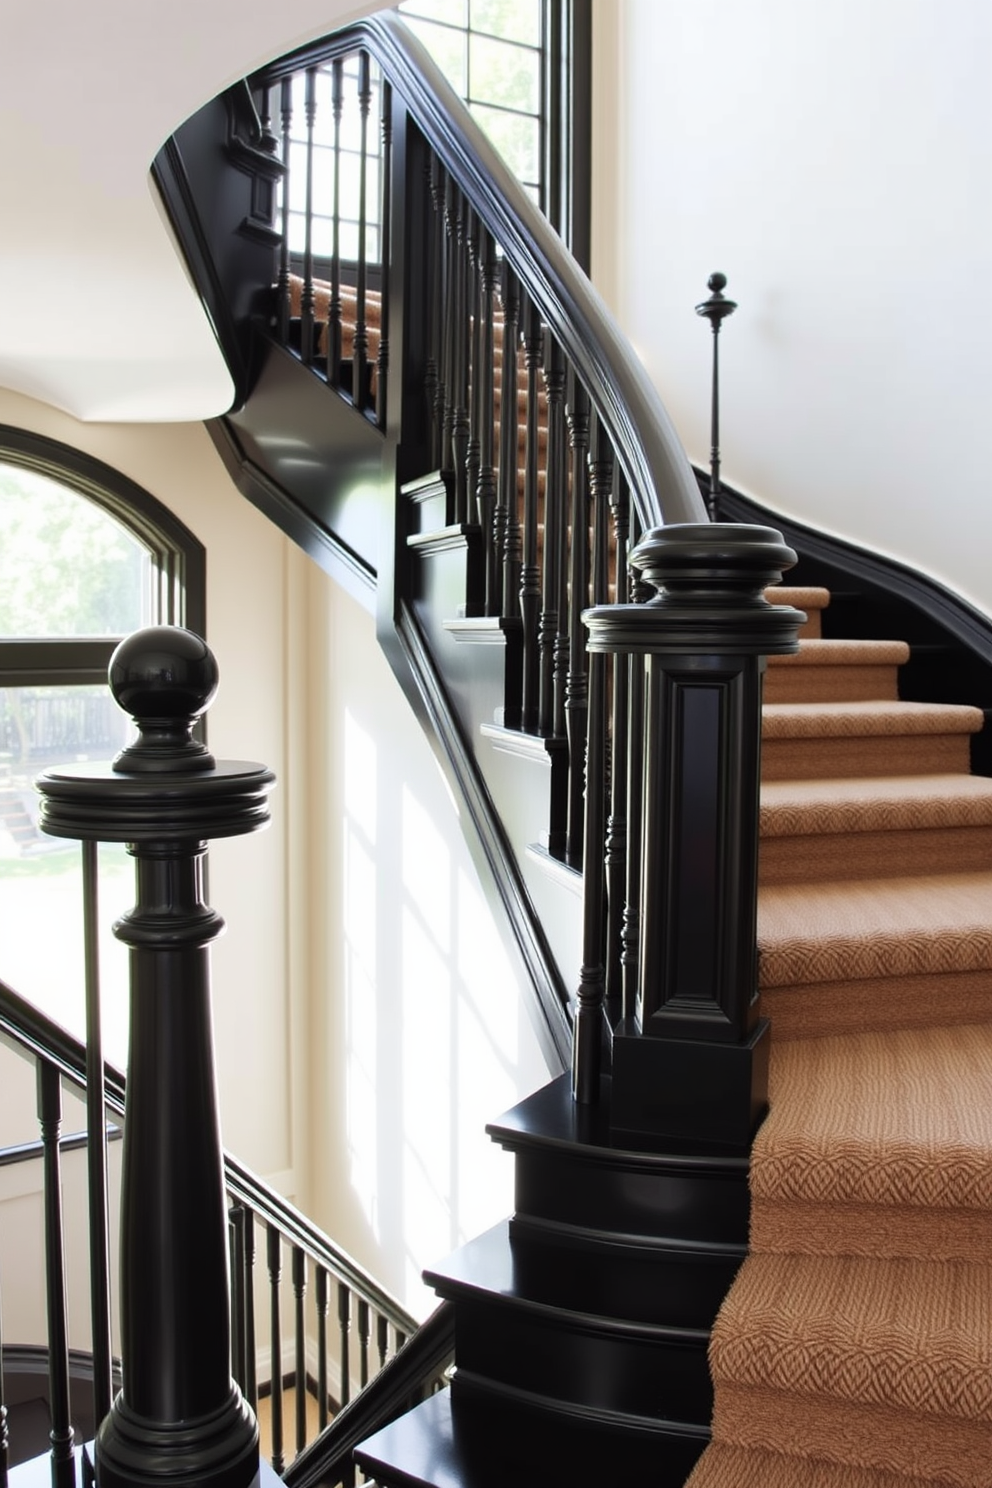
[201, 1236]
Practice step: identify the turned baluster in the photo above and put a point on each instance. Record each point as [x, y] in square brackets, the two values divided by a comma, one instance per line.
[553, 655]
[459, 352]
[96, 1144]
[385, 229]
[486, 490]
[530, 573]
[576, 688]
[283, 289]
[274, 1262]
[335, 331]
[473, 454]
[433, 365]
[508, 514]
[344, 1329]
[360, 354]
[616, 826]
[300, 1387]
[307, 338]
[50, 1122]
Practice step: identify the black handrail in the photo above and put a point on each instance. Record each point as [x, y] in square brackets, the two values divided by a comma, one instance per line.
[661, 480]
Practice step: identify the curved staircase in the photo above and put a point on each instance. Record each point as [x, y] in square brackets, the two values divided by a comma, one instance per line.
[854, 1349]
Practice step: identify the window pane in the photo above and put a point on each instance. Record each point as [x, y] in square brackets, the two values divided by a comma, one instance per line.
[452, 12]
[516, 20]
[516, 137]
[447, 47]
[504, 74]
[41, 894]
[66, 568]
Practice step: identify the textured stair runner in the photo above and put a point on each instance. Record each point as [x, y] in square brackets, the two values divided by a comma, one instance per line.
[854, 1349]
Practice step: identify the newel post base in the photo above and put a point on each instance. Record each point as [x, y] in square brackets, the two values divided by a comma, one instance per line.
[180, 1419]
[690, 1064]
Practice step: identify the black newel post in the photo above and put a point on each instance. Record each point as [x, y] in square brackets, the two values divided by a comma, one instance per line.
[180, 1418]
[691, 1064]
[716, 309]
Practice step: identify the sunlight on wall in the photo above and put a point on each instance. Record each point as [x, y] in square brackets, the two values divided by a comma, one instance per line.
[359, 967]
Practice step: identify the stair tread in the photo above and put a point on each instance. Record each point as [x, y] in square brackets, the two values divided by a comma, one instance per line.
[874, 804]
[905, 926]
[904, 1333]
[809, 598]
[832, 1137]
[867, 719]
[725, 1466]
[817, 652]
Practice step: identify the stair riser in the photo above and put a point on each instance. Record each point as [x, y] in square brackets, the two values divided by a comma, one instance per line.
[875, 756]
[829, 684]
[825, 1009]
[676, 1206]
[850, 855]
[596, 1369]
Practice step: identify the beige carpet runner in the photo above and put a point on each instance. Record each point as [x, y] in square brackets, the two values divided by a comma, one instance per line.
[855, 1347]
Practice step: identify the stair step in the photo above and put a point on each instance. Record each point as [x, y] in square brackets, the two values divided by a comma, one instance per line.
[813, 600]
[844, 1161]
[808, 741]
[882, 1362]
[483, 1441]
[723, 1466]
[890, 953]
[836, 672]
[850, 828]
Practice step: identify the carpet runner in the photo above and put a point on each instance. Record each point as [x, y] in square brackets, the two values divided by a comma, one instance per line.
[854, 1349]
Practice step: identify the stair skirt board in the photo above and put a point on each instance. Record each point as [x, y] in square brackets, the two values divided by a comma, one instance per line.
[854, 1349]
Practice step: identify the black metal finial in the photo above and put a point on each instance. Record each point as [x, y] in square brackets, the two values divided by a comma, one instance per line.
[715, 309]
[165, 678]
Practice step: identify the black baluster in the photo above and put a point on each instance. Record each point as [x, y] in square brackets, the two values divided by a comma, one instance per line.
[283, 289]
[96, 1149]
[459, 348]
[50, 1122]
[251, 1382]
[486, 491]
[508, 512]
[382, 1338]
[274, 1259]
[236, 1240]
[473, 454]
[267, 139]
[588, 1029]
[322, 1300]
[299, 1294]
[433, 372]
[716, 309]
[616, 827]
[577, 688]
[400, 1339]
[552, 719]
[385, 229]
[344, 1326]
[530, 573]
[449, 344]
[334, 310]
[638, 593]
[364, 1334]
[359, 379]
[307, 338]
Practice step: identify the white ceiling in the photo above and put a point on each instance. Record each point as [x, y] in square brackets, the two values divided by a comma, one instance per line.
[96, 313]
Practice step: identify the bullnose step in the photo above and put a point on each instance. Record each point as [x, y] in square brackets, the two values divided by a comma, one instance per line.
[808, 741]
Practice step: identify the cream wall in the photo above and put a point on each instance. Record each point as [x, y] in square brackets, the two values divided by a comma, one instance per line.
[832, 159]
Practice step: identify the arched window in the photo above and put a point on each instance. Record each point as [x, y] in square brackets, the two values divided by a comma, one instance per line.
[86, 556]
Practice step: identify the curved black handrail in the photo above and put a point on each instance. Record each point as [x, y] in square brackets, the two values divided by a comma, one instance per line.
[23, 1024]
[644, 439]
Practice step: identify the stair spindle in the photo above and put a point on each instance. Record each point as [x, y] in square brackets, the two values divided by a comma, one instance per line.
[530, 573]
[576, 688]
[300, 1389]
[322, 1302]
[486, 490]
[364, 1335]
[382, 1338]
[715, 309]
[508, 513]
[589, 1027]
[251, 1381]
[449, 345]
[460, 426]
[552, 633]
[274, 1261]
[307, 302]
[433, 364]
[334, 309]
[283, 292]
[385, 230]
[50, 1124]
[96, 1145]
[616, 827]
[344, 1327]
[638, 593]
[359, 380]
[473, 454]
[4, 1432]
[236, 1244]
